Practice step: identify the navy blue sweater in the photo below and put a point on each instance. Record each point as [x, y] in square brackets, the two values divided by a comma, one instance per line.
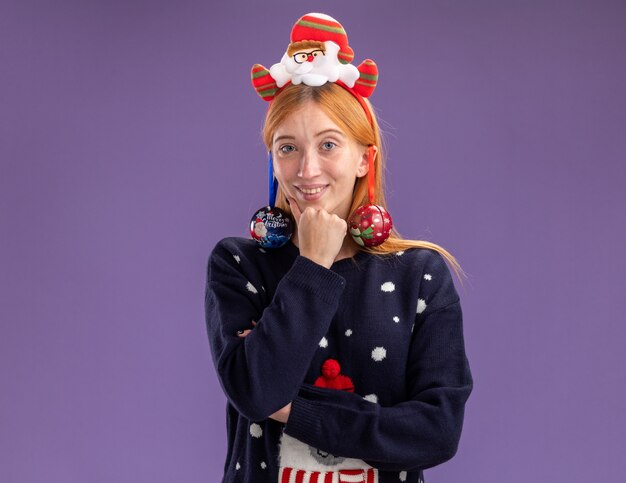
[394, 324]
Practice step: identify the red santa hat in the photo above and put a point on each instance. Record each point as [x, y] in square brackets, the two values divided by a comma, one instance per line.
[321, 27]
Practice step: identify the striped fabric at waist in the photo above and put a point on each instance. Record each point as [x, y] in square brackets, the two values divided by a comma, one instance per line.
[294, 475]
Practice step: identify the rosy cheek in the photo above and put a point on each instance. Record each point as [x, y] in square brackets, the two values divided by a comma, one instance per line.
[278, 173]
[280, 177]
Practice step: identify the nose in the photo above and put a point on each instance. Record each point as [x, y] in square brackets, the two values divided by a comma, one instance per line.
[310, 58]
[309, 165]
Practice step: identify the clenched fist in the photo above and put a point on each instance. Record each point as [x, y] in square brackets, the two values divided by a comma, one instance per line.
[320, 234]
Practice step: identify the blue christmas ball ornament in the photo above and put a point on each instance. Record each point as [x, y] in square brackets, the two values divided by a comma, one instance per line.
[271, 227]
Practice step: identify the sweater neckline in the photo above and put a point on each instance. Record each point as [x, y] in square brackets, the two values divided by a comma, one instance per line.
[350, 262]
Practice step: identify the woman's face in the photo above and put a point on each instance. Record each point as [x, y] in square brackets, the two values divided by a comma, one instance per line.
[315, 162]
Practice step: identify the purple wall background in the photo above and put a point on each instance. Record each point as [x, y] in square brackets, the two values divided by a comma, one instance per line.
[130, 144]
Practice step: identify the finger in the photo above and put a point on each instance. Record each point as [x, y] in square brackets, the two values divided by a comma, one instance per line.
[295, 209]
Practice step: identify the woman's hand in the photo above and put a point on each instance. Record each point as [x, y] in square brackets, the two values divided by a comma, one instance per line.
[245, 332]
[320, 234]
[282, 415]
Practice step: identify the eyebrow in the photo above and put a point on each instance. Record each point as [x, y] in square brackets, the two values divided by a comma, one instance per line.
[325, 131]
[336, 131]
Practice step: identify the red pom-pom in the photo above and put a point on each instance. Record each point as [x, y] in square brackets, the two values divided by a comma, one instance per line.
[331, 369]
[332, 379]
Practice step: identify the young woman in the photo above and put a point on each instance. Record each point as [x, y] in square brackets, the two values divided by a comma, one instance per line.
[340, 362]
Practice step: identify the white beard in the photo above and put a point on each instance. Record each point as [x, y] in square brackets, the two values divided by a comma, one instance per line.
[303, 68]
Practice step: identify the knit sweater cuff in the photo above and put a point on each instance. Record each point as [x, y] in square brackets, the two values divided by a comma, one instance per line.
[304, 419]
[315, 278]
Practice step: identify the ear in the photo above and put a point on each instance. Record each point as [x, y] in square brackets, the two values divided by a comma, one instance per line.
[363, 167]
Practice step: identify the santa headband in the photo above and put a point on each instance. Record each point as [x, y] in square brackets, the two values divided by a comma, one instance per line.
[318, 53]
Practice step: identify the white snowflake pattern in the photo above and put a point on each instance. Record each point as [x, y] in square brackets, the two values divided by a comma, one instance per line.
[324, 342]
[396, 319]
[379, 353]
[237, 466]
[421, 305]
[428, 276]
[251, 288]
[388, 287]
[373, 398]
[237, 258]
[263, 465]
[412, 327]
[402, 476]
[348, 332]
[400, 253]
[255, 430]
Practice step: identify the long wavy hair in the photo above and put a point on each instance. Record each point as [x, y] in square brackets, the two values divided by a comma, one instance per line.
[345, 111]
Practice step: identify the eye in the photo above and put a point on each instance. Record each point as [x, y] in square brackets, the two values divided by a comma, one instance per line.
[316, 53]
[286, 149]
[301, 57]
[328, 145]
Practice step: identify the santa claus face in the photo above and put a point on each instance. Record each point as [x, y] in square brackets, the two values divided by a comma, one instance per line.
[315, 161]
[315, 60]
[259, 229]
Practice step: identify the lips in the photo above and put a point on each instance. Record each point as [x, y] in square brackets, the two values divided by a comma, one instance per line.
[311, 192]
